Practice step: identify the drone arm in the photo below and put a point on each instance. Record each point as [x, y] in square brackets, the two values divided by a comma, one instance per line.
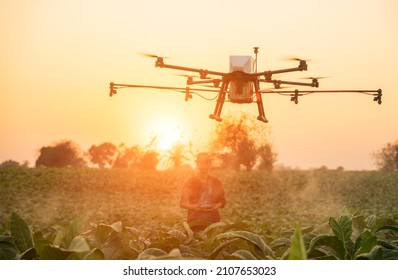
[278, 83]
[268, 74]
[296, 93]
[203, 73]
[215, 82]
[113, 89]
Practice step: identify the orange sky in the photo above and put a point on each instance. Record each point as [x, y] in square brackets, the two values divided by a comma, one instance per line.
[58, 58]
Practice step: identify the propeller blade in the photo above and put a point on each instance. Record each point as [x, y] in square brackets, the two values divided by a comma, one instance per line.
[311, 78]
[293, 58]
[150, 55]
[193, 76]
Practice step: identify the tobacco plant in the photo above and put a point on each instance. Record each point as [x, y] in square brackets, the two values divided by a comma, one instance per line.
[344, 237]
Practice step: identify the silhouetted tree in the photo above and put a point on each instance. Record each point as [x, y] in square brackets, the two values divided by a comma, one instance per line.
[149, 160]
[228, 161]
[247, 152]
[241, 141]
[62, 154]
[387, 157]
[177, 155]
[128, 157]
[103, 155]
[10, 163]
[267, 157]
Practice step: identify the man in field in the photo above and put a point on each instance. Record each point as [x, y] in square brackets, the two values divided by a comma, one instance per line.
[202, 195]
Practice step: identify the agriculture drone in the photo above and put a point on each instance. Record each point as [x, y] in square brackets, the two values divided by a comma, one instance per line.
[241, 84]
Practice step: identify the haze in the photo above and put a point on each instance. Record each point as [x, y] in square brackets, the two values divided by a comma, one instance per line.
[58, 57]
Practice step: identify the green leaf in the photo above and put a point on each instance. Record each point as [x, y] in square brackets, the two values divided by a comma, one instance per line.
[95, 254]
[391, 255]
[280, 242]
[379, 253]
[178, 235]
[151, 253]
[251, 238]
[79, 244]
[188, 230]
[102, 233]
[8, 251]
[29, 254]
[21, 233]
[220, 247]
[387, 227]
[342, 228]
[330, 245]
[214, 227]
[174, 254]
[359, 223]
[40, 244]
[386, 244]
[370, 221]
[297, 247]
[51, 252]
[118, 227]
[73, 231]
[58, 239]
[243, 255]
[365, 242]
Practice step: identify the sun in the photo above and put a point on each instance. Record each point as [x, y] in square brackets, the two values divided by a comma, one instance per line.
[166, 133]
[167, 140]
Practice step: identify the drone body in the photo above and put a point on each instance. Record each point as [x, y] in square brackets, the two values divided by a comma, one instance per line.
[241, 84]
[241, 90]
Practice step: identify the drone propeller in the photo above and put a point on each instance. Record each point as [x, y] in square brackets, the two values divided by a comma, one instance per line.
[150, 55]
[312, 78]
[293, 58]
[192, 76]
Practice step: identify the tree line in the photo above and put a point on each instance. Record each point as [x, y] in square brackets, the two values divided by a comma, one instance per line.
[236, 143]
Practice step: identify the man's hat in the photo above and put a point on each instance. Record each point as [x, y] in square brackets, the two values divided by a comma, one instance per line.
[203, 157]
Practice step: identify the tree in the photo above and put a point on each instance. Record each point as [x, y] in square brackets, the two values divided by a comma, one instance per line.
[62, 154]
[149, 160]
[247, 152]
[103, 155]
[267, 157]
[177, 154]
[242, 141]
[10, 163]
[128, 157]
[387, 157]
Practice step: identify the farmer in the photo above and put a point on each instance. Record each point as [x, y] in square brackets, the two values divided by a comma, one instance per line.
[202, 195]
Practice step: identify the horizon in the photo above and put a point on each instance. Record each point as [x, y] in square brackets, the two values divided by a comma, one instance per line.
[162, 153]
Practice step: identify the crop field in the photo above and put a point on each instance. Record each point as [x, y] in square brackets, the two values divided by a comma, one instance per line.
[264, 215]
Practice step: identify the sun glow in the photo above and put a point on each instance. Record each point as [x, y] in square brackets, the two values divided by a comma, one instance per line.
[165, 134]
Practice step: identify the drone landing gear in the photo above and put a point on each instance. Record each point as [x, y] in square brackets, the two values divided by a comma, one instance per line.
[214, 117]
[261, 115]
[221, 99]
[220, 102]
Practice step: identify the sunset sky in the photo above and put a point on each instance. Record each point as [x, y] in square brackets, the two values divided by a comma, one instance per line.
[58, 57]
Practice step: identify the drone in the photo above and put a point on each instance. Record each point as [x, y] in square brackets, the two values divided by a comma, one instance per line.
[241, 84]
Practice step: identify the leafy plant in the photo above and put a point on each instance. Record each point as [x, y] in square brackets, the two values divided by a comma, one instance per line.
[371, 239]
[23, 244]
[370, 243]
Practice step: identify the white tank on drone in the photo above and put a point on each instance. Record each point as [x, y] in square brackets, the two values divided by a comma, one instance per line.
[243, 63]
[241, 90]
